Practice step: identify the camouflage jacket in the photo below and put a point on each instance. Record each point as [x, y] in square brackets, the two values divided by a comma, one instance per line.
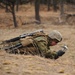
[40, 46]
[43, 47]
[37, 44]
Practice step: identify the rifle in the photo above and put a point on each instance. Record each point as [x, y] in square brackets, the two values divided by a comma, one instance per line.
[23, 36]
[13, 44]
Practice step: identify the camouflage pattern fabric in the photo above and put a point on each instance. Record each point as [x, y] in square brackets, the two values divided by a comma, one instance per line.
[43, 45]
[39, 46]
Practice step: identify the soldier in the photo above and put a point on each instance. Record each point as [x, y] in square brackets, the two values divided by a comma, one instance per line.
[39, 44]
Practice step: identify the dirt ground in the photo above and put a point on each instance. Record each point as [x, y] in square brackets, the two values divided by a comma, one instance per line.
[11, 64]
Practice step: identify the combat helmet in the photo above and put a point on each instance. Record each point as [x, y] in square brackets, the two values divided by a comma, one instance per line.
[55, 35]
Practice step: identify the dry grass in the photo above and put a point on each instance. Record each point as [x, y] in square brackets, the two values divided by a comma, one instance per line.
[34, 65]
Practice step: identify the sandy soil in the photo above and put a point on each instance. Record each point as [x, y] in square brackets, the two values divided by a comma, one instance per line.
[11, 64]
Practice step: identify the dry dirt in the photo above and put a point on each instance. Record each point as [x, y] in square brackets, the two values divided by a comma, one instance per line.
[11, 64]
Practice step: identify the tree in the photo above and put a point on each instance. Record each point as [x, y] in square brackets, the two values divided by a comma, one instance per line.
[55, 5]
[37, 16]
[48, 2]
[61, 10]
[62, 7]
[11, 4]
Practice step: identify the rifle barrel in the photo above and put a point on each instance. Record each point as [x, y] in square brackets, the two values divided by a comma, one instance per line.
[13, 39]
[23, 36]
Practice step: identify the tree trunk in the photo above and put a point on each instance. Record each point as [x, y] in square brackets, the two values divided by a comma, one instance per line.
[6, 8]
[37, 16]
[17, 5]
[62, 7]
[62, 17]
[55, 5]
[48, 2]
[14, 17]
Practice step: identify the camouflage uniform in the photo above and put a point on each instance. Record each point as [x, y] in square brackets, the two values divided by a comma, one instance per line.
[39, 45]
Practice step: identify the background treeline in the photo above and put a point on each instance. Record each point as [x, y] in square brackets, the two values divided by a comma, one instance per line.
[10, 5]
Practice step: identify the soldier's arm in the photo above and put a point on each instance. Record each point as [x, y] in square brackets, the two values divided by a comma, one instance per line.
[47, 52]
[54, 54]
[44, 48]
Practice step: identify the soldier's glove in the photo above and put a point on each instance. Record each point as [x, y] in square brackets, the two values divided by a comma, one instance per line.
[61, 52]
